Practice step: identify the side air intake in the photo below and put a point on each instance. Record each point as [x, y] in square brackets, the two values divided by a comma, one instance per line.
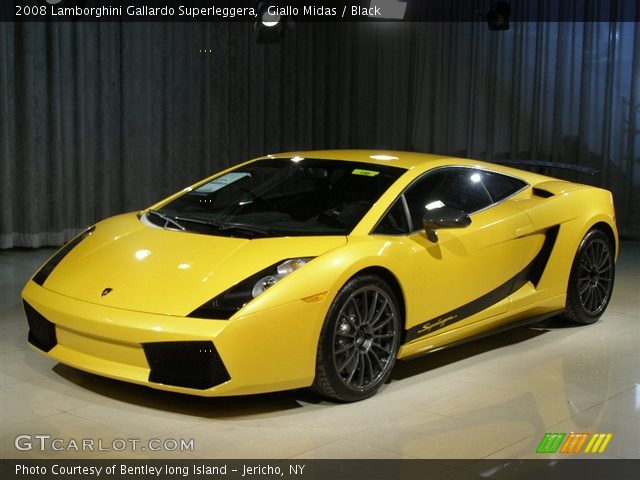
[540, 192]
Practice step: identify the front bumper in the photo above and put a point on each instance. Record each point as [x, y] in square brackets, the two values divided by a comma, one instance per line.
[271, 350]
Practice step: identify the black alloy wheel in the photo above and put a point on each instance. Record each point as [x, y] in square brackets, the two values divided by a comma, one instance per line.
[359, 341]
[591, 281]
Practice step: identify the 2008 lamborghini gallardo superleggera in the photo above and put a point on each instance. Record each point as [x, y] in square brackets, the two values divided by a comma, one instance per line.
[321, 269]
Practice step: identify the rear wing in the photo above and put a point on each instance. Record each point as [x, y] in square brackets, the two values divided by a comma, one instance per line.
[541, 164]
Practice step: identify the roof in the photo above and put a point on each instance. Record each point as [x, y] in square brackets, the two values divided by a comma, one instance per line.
[410, 160]
[378, 157]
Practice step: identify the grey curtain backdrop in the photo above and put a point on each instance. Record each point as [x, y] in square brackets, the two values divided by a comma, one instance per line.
[102, 118]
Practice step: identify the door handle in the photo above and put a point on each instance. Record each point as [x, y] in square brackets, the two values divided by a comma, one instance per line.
[524, 230]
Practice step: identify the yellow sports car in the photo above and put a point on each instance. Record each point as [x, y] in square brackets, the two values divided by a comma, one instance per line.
[321, 269]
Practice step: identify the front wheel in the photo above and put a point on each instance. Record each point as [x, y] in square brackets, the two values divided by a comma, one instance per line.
[359, 340]
[591, 279]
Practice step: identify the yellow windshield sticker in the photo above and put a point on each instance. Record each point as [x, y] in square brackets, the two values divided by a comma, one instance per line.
[366, 173]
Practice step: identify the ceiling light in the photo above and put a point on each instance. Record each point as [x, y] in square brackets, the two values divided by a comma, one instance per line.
[389, 8]
[269, 26]
[498, 16]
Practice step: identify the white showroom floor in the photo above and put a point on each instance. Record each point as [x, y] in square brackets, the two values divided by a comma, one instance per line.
[492, 398]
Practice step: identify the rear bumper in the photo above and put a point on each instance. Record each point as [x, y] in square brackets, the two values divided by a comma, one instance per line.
[271, 350]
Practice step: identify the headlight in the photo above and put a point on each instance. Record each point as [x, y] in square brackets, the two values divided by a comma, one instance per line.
[263, 284]
[53, 262]
[230, 301]
[282, 270]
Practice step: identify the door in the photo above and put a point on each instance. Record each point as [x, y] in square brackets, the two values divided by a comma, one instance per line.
[469, 273]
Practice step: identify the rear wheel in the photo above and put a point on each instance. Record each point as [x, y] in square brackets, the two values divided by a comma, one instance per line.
[591, 279]
[359, 340]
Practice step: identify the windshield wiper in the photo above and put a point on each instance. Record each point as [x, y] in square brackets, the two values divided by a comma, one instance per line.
[167, 220]
[245, 227]
[200, 221]
[223, 227]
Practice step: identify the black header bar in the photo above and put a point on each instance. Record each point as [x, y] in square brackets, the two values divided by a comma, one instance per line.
[316, 10]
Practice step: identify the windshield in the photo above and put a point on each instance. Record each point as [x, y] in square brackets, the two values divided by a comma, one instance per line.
[276, 197]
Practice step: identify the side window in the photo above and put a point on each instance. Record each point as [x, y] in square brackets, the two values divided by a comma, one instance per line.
[501, 186]
[394, 221]
[456, 187]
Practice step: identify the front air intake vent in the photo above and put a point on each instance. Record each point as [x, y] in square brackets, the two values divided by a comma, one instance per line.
[194, 364]
[42, 333]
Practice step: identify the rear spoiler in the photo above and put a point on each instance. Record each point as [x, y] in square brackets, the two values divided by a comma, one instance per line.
[544, 164]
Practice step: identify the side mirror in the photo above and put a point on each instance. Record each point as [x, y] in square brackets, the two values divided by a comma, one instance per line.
[443, 217]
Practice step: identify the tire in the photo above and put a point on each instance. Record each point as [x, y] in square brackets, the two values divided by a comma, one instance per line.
[359, 340]
[591, 279]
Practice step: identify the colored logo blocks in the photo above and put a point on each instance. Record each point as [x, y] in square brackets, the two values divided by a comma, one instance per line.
[574, 443]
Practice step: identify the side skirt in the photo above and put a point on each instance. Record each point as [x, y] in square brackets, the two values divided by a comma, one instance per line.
[502, 328]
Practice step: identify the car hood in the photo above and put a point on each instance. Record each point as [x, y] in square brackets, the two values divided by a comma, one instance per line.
[168, 272]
